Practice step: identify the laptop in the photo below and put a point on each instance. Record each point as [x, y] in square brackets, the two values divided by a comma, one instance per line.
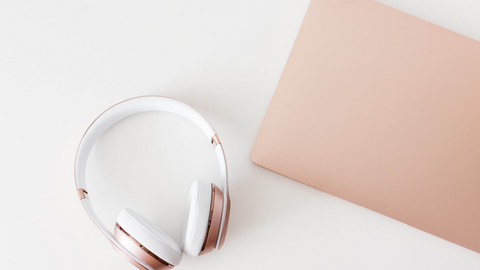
[382, 109]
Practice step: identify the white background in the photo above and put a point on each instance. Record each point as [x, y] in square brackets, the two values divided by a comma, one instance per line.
[63, 63]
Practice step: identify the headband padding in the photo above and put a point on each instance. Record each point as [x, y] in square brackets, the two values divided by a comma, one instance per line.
[196, 222]
[150, 236]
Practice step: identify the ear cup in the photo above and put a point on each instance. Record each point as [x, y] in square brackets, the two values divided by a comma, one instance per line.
[131, 224]
[197, 216]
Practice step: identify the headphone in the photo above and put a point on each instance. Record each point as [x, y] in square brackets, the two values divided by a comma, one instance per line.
[138, 240]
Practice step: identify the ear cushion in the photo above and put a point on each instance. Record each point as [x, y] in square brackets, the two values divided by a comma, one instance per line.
[196, 222]
[150, 236]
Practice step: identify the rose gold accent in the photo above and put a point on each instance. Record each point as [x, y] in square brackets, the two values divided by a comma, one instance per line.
[226, 196]
[82, 193]
[212, 201]
[380, 108]
[116, 248]
[139, 250]
[213, 221]
[128, 258]
[215, 140]
[225, 224]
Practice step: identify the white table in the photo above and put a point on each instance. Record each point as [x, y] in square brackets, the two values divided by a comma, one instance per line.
[62, 64]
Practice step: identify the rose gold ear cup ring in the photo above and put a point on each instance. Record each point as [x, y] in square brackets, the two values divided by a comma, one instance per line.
[214, 219]
[225, 224]
[139, 250]
[128, 258]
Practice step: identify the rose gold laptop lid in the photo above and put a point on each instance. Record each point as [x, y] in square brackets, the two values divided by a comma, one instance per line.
[381, 109]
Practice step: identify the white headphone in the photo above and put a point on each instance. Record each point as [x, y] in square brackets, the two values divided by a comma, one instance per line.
[141, 242]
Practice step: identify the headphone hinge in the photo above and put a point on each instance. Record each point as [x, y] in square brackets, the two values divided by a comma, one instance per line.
[215, 140]
[82, 193]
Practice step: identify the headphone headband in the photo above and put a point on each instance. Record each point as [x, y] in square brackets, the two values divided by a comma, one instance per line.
[127, 108]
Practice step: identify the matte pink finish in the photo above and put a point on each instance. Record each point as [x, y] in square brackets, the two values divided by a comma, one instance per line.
[382, 109]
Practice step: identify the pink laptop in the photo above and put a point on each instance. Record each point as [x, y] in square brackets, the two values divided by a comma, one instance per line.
[381, 109]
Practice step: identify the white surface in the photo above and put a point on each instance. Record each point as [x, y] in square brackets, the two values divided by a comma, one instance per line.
[63, 63]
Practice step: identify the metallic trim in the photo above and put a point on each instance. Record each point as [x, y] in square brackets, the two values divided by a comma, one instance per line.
[225, 224]
[214, 219]
[82, 193]
[128, 258]
[226, 214]
[117, 248]
[215, 140]
[139, 250]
